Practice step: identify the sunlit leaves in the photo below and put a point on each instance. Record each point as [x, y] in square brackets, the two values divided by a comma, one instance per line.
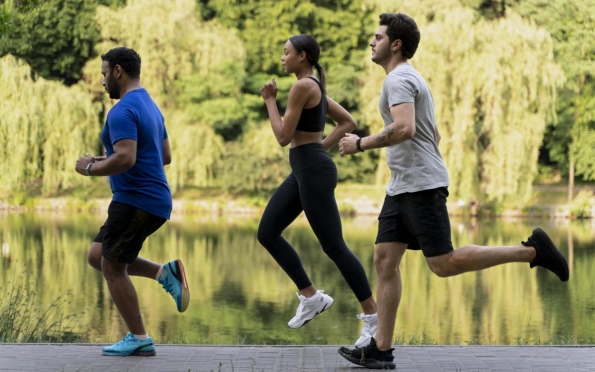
[44, 128]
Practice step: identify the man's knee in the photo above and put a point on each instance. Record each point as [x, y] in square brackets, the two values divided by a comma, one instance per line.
[387, 258]
[94, 256]
[113, 270]
[443, 265]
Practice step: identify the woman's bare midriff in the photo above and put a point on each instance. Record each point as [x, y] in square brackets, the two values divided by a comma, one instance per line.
[302, 138]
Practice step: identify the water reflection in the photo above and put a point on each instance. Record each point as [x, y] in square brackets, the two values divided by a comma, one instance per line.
[240, 295]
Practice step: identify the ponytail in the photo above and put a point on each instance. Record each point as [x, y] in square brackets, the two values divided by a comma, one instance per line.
[321, 77]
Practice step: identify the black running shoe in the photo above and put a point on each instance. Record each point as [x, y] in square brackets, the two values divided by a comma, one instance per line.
[547, 255]
[369, 356]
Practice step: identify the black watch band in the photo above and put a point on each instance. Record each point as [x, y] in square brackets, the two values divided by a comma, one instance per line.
[358, 145]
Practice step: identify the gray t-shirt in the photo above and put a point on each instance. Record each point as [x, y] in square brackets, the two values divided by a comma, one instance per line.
[416, 164]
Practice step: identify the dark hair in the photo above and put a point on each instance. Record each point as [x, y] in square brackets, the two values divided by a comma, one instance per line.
[127, 58]
[309, 45]
[401, 26]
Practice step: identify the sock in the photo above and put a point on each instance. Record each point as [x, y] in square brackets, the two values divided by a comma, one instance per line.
[141, 337]
[159, 273]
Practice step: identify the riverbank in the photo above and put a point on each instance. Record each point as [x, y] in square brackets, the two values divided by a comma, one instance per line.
[353, 200]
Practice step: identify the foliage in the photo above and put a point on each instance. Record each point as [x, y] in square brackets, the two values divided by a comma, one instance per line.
[9, 11]
[22, 321]
[254, 165]
[490, 9]
[582, 205]
[55, 37]
[572, 26]
[492, 73]
[44, 127]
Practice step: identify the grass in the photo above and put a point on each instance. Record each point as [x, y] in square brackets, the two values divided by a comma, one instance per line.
[22, 321]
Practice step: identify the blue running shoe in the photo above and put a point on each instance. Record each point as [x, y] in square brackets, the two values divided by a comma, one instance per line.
[131, 345]
[173, 280]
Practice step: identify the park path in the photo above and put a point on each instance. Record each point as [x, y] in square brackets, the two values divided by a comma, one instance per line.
[218, 358]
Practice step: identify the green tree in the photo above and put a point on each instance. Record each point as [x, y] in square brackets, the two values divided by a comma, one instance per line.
[55, 37]
[254, 165]
[9, 11]
[572, 26]
[44, 128]
[494, 86]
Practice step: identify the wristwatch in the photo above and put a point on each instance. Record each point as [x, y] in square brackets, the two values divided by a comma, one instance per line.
[88, 169]
[358, 145]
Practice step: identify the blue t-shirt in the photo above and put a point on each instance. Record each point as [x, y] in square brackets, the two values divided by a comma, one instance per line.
[144, 186]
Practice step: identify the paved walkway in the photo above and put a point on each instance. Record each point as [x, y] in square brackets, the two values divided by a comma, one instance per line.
[87, 357]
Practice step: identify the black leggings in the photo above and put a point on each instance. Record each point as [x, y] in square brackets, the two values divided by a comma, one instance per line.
[310, 188]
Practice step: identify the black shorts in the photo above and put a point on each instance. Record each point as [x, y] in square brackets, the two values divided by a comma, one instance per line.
[125, 230]
[419, 219]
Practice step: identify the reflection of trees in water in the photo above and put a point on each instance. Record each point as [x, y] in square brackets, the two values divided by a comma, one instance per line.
[239, 293]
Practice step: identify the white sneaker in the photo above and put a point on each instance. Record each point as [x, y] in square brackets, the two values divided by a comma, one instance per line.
[309, 308]
[368, 330]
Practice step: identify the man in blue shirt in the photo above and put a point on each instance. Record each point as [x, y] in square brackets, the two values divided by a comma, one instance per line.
[137, 149]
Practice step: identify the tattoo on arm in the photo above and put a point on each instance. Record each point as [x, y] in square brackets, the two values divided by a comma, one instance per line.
[382, 138]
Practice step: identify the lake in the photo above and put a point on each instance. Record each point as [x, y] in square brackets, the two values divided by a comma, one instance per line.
[240, 296]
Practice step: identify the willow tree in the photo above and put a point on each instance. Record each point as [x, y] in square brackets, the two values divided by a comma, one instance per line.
[44, 128]
[175, 48]
[55, 37]
[494, 87]
[572, 26]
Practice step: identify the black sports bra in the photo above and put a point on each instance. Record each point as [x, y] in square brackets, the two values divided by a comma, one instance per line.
[313, 119]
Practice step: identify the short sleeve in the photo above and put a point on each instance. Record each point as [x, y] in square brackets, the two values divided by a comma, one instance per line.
[399, 89]
[122, 124]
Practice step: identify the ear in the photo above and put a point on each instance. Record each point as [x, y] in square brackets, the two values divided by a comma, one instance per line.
[396, 45]
[117, 72]
[303, 56]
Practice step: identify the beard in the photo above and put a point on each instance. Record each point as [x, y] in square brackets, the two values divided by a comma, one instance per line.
[113, 88]
[381, 55]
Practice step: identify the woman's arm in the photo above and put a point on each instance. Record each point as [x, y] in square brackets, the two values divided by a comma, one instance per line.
[284, 129]
[345, 124]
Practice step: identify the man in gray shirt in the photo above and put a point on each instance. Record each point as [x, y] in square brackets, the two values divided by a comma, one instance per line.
[414, 214]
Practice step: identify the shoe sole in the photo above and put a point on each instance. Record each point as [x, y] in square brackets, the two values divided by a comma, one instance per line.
[135, 353]
[320, 312]
[370, 364]
[185, 291]
[546, 242]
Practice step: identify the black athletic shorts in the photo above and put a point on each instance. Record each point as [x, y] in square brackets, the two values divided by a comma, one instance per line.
[419, 219]
[125, 230]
